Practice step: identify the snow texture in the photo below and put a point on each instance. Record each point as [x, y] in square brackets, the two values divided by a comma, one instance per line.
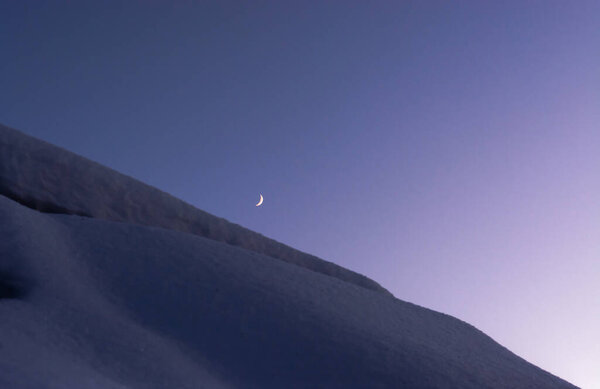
[50, 179]
[92, 303]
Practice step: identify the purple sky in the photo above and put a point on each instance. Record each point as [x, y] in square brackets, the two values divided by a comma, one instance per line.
[449, 151]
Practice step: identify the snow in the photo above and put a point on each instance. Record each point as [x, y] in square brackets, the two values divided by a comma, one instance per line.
[93, 303]
[121, 305]
[51, 179]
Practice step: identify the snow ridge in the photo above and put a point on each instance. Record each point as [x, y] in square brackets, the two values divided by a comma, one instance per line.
[107, 288]
[50, 179]
[119, 305]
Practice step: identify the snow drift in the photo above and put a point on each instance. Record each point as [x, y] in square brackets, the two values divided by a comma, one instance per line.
[92, 303]
[50, 179]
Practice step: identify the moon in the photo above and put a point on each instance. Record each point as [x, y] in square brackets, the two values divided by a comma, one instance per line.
[260, 201]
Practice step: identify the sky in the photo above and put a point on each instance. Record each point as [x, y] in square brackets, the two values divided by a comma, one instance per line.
[448, 150]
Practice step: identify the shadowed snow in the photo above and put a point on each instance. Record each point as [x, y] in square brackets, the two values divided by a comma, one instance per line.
[150, 292]
[50, 179]
[122, 305]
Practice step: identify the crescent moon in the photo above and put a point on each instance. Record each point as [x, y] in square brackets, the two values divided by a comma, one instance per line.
[260, 201]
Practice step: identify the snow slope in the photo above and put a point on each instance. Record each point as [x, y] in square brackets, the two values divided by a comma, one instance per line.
[99, 304]
[92, 303]
[51, 179]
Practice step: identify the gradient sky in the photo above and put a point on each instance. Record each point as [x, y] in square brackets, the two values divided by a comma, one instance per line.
[448, 150]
